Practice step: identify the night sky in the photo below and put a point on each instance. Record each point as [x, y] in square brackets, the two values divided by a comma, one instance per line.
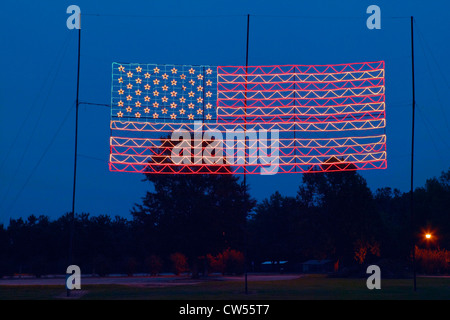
[38, 84]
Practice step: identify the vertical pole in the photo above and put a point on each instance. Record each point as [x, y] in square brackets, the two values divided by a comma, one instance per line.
[245, 159]
[412, 154]
[72, 214]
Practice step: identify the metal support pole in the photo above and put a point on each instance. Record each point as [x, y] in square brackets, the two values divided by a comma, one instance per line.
[72, 214]
[412, 155]
[245, 159]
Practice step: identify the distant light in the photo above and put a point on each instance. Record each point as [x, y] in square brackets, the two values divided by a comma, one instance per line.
[428, 236]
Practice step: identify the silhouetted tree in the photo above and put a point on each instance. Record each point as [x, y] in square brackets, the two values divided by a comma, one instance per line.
[275, 227]
[193, 214]
[345, 208]
[334, 215]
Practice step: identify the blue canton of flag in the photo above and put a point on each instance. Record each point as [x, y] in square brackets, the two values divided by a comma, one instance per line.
[164, 93]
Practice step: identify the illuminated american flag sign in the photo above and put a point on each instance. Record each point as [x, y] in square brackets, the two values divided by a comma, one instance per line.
[325, 118]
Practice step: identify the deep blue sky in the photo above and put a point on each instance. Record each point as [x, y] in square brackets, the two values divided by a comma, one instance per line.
[38, 84]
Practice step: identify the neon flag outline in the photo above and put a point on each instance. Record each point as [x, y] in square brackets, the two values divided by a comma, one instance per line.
[329, 117]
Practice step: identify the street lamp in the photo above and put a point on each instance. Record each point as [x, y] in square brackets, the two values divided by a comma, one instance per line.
[429, 238]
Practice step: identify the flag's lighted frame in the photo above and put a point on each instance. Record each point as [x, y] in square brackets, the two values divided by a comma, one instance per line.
[329, 118]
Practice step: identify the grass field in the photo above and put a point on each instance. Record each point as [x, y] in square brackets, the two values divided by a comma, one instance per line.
[307, 288]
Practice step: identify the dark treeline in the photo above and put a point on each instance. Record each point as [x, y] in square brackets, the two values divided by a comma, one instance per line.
[193, 222]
